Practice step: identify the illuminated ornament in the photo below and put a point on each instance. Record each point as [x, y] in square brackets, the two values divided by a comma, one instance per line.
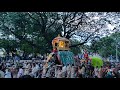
[60, 43]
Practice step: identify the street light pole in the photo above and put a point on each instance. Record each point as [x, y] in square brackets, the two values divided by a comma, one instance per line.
[116, 53]
[116, 49]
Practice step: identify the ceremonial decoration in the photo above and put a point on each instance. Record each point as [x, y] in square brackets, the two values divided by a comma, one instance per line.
[96, 61]
[62, 51]
[60, 43]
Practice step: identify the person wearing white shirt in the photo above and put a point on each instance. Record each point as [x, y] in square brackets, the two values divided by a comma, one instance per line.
[64, 70]
[26, 71]
[28, 66]
[59, 73]
[24, 65]
[20, 72]
[44, 72]
[37, 67]
[8, 73]
[68, 71]
[1, 73]
[72, 72]
[7, 64]
[34, 70]
[96, 71]
[56, 69]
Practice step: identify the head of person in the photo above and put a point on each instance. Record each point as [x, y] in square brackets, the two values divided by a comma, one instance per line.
[34, 64]
[80, 67]
[67, 64]
[83, 65]
[21, 66]
[7, 70]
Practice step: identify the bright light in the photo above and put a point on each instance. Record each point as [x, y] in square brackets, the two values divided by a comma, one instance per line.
[111, 27]
[96, 18]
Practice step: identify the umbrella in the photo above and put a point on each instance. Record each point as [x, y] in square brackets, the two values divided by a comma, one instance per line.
[96, 61]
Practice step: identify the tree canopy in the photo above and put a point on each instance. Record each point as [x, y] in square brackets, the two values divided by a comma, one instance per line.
[106, 46]
[34, 31]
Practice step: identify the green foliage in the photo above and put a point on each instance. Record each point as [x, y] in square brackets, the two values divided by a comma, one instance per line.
[106, 46]
[76, 49]
[8, 45]
[33, 33]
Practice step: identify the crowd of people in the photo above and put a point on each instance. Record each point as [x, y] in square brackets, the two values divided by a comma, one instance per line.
[33, 69]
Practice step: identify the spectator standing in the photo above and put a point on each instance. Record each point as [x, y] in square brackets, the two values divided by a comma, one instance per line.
[20, 72]
[8, 73]
[1, 72]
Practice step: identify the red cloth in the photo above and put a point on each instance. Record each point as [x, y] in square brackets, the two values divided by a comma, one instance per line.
[54, 50]
[85, 55]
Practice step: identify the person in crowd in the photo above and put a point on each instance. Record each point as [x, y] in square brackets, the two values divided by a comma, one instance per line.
[8, 73]
[48, 73]
[96, 71]
[109, 74]
[72, 71]
[20, 72]
[1, 72]
[14, 69]
[26, 71]
[64, 71]
[34, 70]
[37, 67]
[83, 71]
[44, 71]
[86, 57]
[80, 72]
[59, 72]
[68, 70]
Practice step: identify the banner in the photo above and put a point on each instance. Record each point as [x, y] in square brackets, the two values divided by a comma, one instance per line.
[66, 57]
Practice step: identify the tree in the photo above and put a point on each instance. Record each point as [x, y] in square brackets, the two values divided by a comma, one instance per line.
[36, 30]
[85, 26]
[106, 46]
[76, 49]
